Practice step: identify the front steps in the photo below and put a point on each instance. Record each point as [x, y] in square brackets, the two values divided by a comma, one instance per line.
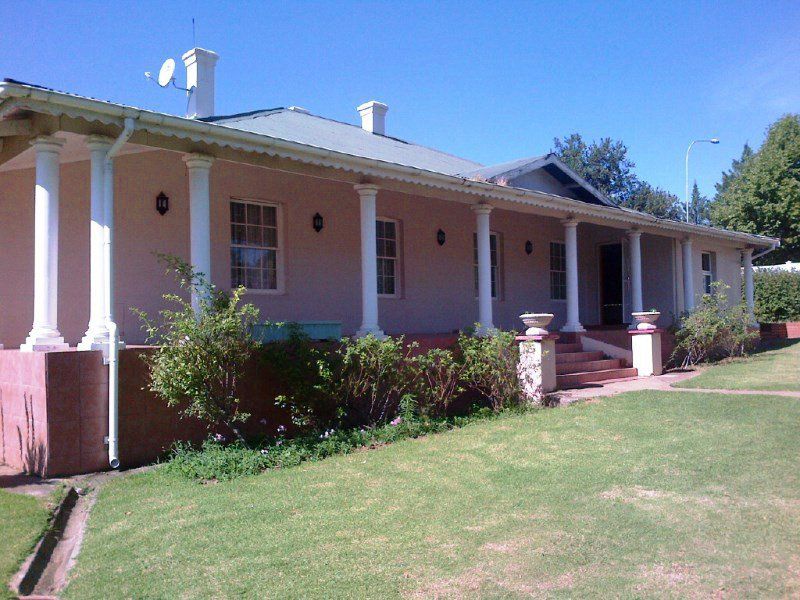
[575, 368]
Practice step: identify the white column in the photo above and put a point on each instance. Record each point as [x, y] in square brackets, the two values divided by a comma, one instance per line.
[199, 167]
[369, 262]
[747, 259]
[688, 275]
[573, 323]
[97, 333]
[484, 266]
[45, 335]
[635, 238]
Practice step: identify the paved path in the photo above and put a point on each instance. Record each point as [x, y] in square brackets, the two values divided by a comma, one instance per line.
[661, 383]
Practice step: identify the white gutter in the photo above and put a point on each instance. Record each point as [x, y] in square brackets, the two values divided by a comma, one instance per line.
[58, 103]
[108, 268]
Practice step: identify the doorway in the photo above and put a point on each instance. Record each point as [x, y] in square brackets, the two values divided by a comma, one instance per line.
[611, 284]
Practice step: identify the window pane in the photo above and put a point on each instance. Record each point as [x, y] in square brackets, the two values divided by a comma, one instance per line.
[270, 237]
[253, 278]
[269, 260]
[705, 260]
[253, 214]
[253, 235]
[389, 230]
[270, 216]
[236, 257]
[238, 234]
[270, 279]
[390, 248]
[237, 277]
[237, 212]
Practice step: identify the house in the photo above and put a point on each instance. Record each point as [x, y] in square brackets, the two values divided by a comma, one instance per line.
[320, 220]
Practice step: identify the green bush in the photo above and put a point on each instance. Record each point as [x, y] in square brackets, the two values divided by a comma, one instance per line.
[201, 354]
[777, 296]
[438, 378]
[713, 330]
[490, 366]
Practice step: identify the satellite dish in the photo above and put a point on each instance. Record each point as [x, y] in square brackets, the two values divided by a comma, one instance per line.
[166, 73]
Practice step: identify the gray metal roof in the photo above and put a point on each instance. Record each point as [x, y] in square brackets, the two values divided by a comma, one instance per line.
[304, 128]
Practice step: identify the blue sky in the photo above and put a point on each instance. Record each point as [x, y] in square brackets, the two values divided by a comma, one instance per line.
[488, 81]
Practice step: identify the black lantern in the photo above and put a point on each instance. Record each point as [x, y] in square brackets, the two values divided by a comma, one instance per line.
[528, 247]
[440, 237]
[162, 203]
[317, 223]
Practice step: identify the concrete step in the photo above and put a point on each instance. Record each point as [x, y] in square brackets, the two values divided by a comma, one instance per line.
[572, 357]
[566, 348]
[588, 366]
[577, 379]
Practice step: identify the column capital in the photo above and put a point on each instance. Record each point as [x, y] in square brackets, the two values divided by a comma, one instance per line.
[98, 142]
[48, 143]
[634, 233]
[747, 252]
[570, 222]
[687, 241]
[366, 189]
[198, 161]
[482, 208]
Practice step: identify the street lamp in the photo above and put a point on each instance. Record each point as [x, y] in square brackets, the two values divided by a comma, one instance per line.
[711, 141]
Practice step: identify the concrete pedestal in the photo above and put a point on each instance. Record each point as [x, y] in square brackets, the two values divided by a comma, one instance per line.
[646, 348]
[537, 365]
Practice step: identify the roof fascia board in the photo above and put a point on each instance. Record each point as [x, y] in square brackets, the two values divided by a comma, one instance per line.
[56, 103]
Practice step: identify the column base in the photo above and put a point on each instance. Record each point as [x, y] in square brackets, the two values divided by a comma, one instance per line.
[375, 331]
[573, 328]
[101, 345]
[44, 344]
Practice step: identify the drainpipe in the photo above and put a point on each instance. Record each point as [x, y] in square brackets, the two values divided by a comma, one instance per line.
[764, 252]
[108, 268]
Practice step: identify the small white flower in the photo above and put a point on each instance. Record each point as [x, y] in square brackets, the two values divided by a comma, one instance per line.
[264, 451]
[281, 428]
[263, 421]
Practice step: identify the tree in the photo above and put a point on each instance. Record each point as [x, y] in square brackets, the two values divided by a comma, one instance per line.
[654, 201]
[699, 207]
[604, 164]
[736, 169]
[764, 197]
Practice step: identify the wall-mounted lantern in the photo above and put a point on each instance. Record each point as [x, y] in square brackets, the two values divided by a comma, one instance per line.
[317, 223]
[162, 203]
[528, 247]
[440, 237]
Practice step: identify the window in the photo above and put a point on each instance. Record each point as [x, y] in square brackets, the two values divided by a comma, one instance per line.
[254, 245]
[558, 271]
[708, 265]
[495, 270]
[386, 241]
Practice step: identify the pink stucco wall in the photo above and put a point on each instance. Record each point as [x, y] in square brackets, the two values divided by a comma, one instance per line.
[322, 270]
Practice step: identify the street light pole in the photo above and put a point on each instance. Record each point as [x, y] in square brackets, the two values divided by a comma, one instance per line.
[686, 197]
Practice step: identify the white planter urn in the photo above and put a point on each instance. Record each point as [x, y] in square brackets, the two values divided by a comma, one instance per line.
[536, 323]
[646, 320]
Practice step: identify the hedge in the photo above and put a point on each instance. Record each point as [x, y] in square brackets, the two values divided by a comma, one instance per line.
[777, 296]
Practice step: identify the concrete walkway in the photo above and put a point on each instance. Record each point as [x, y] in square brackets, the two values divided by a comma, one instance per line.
[661, 383]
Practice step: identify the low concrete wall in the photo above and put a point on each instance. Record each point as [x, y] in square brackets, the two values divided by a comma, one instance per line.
[54, 412]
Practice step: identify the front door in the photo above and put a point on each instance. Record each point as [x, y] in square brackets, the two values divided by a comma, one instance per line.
[611, 284]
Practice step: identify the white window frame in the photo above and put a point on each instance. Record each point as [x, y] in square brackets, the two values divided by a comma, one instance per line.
[279, 248]
[710, 275]
[396, 258]
[550, 269]
[496, 269]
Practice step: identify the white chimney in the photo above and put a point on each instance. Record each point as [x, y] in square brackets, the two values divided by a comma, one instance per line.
[373, 116]
[200, 80]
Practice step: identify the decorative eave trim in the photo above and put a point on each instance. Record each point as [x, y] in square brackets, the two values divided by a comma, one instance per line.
[59, 103]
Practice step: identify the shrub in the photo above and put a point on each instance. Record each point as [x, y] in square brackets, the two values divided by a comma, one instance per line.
[437, 380]
[777, 296]
[369, 376]
[490, 366]
[201, 355]
[713, 330]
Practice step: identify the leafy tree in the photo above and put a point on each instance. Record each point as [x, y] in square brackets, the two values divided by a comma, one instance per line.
[736, 169]
[654, 201]
[699, 207]
[764, 197]
[604, 164]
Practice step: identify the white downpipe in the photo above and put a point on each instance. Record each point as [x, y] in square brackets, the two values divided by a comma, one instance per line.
[108, 267]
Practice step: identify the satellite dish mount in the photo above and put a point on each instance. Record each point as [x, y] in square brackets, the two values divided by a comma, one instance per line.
[166, 76]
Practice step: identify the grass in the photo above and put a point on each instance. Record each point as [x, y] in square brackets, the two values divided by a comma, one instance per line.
[22, 521]
[645, 494]
[774, 369]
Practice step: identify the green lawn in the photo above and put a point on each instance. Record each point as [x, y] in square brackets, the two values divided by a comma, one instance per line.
[769, 370]
[641, 495]
[22, 521]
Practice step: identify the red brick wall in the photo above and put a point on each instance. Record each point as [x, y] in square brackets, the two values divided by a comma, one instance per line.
[789, 330]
